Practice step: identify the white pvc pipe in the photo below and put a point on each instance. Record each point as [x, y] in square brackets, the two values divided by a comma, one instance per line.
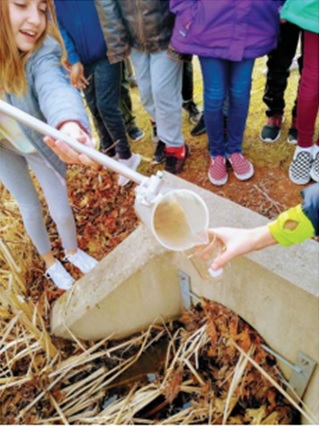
[47, 130]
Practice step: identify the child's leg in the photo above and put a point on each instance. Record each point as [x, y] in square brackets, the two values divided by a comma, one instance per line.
[305, 162]
[15, 176]
[55, 191]
[215, 73]
[166, 83]
[239, 98]
[308, 98]
[187, 82]
[278, 64]
[56, 195]
[107, 93]
[125, 98]
[106, 142]
[141, 63]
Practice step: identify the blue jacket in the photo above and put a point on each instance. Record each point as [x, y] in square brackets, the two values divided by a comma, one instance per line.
[50, 98]
[81, 30]
[226, 29]
[310, 205]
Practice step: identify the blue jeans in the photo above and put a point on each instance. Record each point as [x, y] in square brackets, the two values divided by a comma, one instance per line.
[103, 96]
[226, 79]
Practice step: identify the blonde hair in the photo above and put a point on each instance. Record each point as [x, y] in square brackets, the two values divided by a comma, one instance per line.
[13, 77]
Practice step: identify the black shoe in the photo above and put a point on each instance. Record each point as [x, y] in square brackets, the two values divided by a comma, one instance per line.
[154, 132]
[109, 152]
[271, 131]
[175, 159]
[136, 134]
[159, 155]
[293, 132]
[193, 111]
[199, 128]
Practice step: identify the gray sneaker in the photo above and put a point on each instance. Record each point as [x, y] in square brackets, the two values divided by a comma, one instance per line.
[60, 277]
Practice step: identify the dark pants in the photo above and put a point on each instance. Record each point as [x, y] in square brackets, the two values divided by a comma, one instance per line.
[103, 96]
[278, 64]
[125, 98]
[187, 82]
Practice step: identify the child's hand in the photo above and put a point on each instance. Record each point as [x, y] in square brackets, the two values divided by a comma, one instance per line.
[77, 77]
[240, 241]
[73, 130]
[65, 152]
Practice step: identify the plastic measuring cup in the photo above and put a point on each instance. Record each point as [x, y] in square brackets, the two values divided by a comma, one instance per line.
[202, 255]
[176, 218]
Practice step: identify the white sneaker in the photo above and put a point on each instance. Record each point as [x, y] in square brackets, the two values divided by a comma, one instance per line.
[132, 163]
[60, 277]
[314, 172]
[300, 167]
[82, 261]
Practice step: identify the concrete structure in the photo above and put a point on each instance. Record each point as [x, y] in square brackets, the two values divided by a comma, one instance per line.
[275, 290]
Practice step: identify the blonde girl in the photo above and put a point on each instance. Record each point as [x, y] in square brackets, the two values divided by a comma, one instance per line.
[32, 79]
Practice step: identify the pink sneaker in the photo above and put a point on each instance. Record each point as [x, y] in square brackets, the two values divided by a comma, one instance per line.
[242, 167]
[218, 171]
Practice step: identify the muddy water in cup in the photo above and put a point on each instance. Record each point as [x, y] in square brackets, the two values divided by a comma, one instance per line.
[171, 223]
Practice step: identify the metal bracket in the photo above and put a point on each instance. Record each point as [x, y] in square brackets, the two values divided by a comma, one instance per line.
[299, 380]
[184, 283]
[301, 371]
[188, 298]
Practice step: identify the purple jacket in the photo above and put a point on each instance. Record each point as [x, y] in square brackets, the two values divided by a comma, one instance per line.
[226, 29]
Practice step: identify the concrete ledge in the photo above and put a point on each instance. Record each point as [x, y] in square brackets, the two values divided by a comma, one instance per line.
[124, 294]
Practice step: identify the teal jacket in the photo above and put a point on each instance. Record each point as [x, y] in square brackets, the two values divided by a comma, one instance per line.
[304, 13]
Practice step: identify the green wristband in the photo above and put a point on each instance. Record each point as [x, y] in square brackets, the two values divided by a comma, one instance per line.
[288, 237]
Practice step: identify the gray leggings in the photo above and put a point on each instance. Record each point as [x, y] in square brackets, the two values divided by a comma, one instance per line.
[15, 176]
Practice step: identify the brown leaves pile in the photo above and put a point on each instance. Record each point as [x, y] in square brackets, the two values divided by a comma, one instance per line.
[254, 401]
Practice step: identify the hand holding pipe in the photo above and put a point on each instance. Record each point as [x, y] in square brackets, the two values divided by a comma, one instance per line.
[47, 130]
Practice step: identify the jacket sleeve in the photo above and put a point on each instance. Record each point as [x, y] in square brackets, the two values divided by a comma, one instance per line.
[58, 100]
[305, 215]
[73, 56]
[185, 9]
[114, 30]
[310, 205]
